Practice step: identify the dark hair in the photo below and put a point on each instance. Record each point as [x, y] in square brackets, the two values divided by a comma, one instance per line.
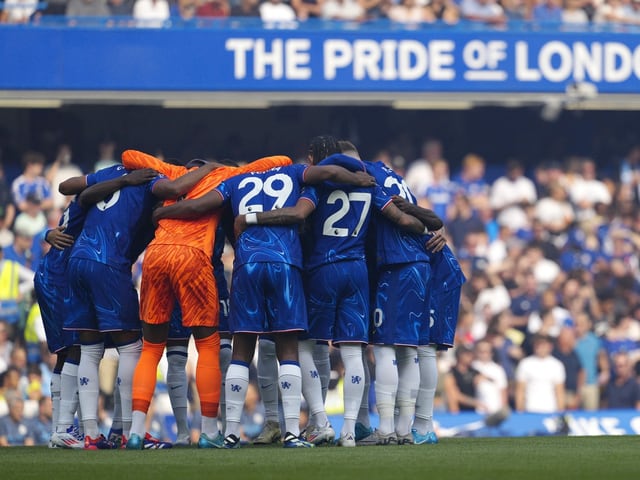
[322, 147]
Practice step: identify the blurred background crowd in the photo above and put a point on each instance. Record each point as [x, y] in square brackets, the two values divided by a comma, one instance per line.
[549, 317]
[158, 13]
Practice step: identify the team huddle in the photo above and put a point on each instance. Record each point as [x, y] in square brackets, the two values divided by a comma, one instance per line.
[334, 252]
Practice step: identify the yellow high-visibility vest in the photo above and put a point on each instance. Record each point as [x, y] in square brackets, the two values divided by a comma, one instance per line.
[9, 280]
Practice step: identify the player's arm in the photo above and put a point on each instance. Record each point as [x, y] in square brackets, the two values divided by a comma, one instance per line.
[332, 173]
[281, 216]
[429, 219]
[403, 220]
[189, 209]
[172, 189]
[265, 163]
[58, 239]
[100, 190]
[73, 185]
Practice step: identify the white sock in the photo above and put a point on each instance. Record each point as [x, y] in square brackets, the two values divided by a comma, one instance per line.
[129, 355]
[423, 422]
[55, 386]
[138, 423]
[89, 386]
[236, 391]
[311, 387]
[68, 396]
[363, 413]
[209, 425]
[291, 389]
[386, 385]
[353, 384]
[323, 365]
[408, 383]
[225, 360]
[177, 384]
[268, 378]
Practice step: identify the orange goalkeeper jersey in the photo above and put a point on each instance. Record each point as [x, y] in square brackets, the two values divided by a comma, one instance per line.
[198, 233]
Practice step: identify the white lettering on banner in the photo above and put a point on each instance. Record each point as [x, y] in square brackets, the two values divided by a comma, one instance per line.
[286, 58]
[337, 54]
[558, 62]
[263, 58]
[612, 71]
[389, 59]
[239, 47]
[545, 60]
[483, 59]
[297, 59]
[596, 426]
[393, 60]
[587, 62]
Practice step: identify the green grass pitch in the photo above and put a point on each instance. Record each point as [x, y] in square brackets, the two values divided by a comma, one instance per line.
[535, 458]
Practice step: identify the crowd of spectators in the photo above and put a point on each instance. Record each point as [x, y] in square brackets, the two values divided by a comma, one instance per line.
[158, 13]
[549, 317]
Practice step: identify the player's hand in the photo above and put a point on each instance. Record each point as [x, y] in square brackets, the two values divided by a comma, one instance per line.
[138, 177]
[57, 239]
[401, 203]
[437, 241]
[363, 179]
[239, 225]
[156, 216]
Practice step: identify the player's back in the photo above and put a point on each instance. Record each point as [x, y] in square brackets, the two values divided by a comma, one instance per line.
[338, 227]
[72, 219]
[260, 192]
[113, 225]
[393, 244]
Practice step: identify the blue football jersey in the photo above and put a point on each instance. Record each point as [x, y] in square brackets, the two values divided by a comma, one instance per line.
[338, 226]
[72, 219]
[116, 229]
[393, 244]
[260, 192]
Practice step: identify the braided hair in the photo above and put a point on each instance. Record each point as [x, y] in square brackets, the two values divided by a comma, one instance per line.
[322, 147]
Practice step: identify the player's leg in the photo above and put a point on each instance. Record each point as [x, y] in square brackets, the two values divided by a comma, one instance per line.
[237, 382]
[144, 380]
[177, 383]
[318, 430]
[225, 354]
[290, 381]
[129, 346]
[52, 293]
[386, 387]
[322, 291]
[65, 429]
[323, 365]
[423, 430]
[287, 317]
[268, 385]
[364, 433]
[408, 383]
[55, 386]
[351, 332]
[91, 351]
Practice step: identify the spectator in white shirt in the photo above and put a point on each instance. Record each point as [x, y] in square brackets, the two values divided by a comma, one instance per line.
[587, 191]
[151, 13]
[276, 11]
[540, 380]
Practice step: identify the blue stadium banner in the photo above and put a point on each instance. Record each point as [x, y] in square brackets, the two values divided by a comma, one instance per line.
[237, 58]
